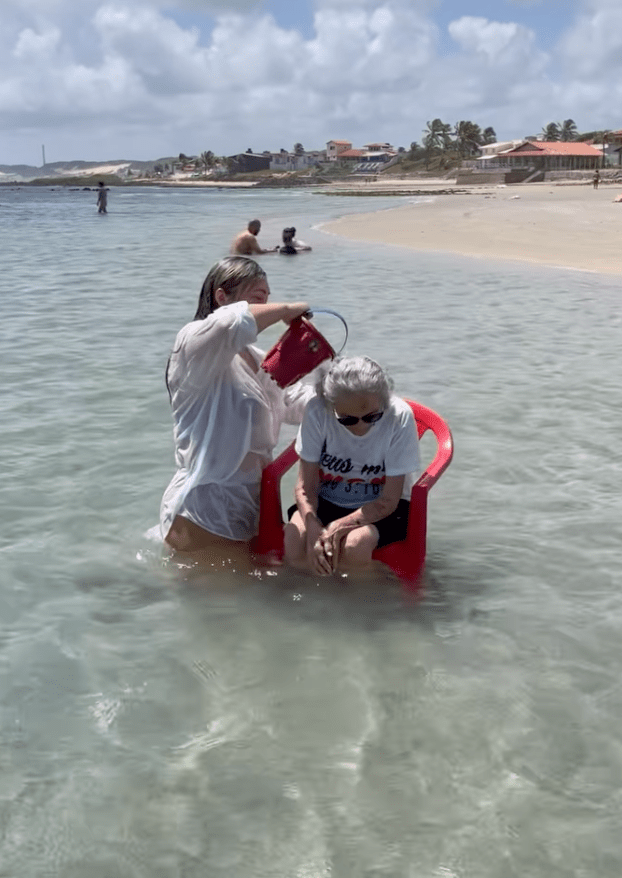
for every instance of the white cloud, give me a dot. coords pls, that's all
(593, 47)
(31, 44)
(371, 69)
(166, 57)
(504, 43)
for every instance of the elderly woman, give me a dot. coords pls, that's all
(227, 412)
(359, 454)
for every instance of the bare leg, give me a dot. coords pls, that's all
(295, 541)
(200, 546)
(357, 547)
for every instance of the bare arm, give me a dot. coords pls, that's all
(306, 494)
(266, 315)
(246, 244)
(306, 490)
(369, 513)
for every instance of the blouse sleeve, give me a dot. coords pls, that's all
(311, 435)
(205, 348)
(222, 334)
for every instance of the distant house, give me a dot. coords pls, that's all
(380, 147)
(245, 162)
(351, 155)
(334, 148)
(289, 161)
(490, 150)
(375, 154)
(548, 156)
(375, 157)
(612, 147)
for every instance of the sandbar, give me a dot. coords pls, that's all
(564, 225)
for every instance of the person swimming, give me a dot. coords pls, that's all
(290, 245)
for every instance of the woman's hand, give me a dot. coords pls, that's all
(319, 562)
(293, 310)
(330, 540)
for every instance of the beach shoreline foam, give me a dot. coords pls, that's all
(562, 226)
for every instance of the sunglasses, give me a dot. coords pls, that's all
(350, 420)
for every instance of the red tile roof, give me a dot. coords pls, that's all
(351, 154)
(348, 142)
(554, 147)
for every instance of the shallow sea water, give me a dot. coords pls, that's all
(155, 724)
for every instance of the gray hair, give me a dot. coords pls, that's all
(354, 375)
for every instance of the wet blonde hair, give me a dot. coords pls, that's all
(229, 274)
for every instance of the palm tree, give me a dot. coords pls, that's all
(551, 132)
(568, 130)
(437, 137)
(489, 135)
(468, 137)
(208, 159)
(299, 149)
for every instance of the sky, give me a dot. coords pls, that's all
(143, 79)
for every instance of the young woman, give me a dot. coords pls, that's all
(227, 412)
(359, 453)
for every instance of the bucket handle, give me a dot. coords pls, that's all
(313, 311)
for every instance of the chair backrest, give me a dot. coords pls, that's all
(428, 419)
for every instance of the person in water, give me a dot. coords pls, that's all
(288, 248)
(102, 198)
(227, 412)
(359, 456)
(290, 245)
(246, 243)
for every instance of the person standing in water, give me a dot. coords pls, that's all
(102, 198)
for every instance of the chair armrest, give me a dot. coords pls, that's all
(279, 466)
(428, 419)
(441, 460)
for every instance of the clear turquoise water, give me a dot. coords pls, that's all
(156, 726)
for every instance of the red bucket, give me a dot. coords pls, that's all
(299, 350)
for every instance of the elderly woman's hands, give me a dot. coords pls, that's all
(331, 538)
(319, 561)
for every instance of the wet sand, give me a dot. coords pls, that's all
(572, 225)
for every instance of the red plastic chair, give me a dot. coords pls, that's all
(406, 558)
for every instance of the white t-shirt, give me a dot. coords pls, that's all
(353, 468)
(226, 423)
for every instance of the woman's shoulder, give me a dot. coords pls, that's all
(221, 320)
(315, 415)
(315, 408)
(401, 412)
(400, 407)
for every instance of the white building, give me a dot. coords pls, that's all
(289, 161)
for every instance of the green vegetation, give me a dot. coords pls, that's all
(445, 146)
(566, 131)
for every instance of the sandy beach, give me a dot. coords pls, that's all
(572, 226)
